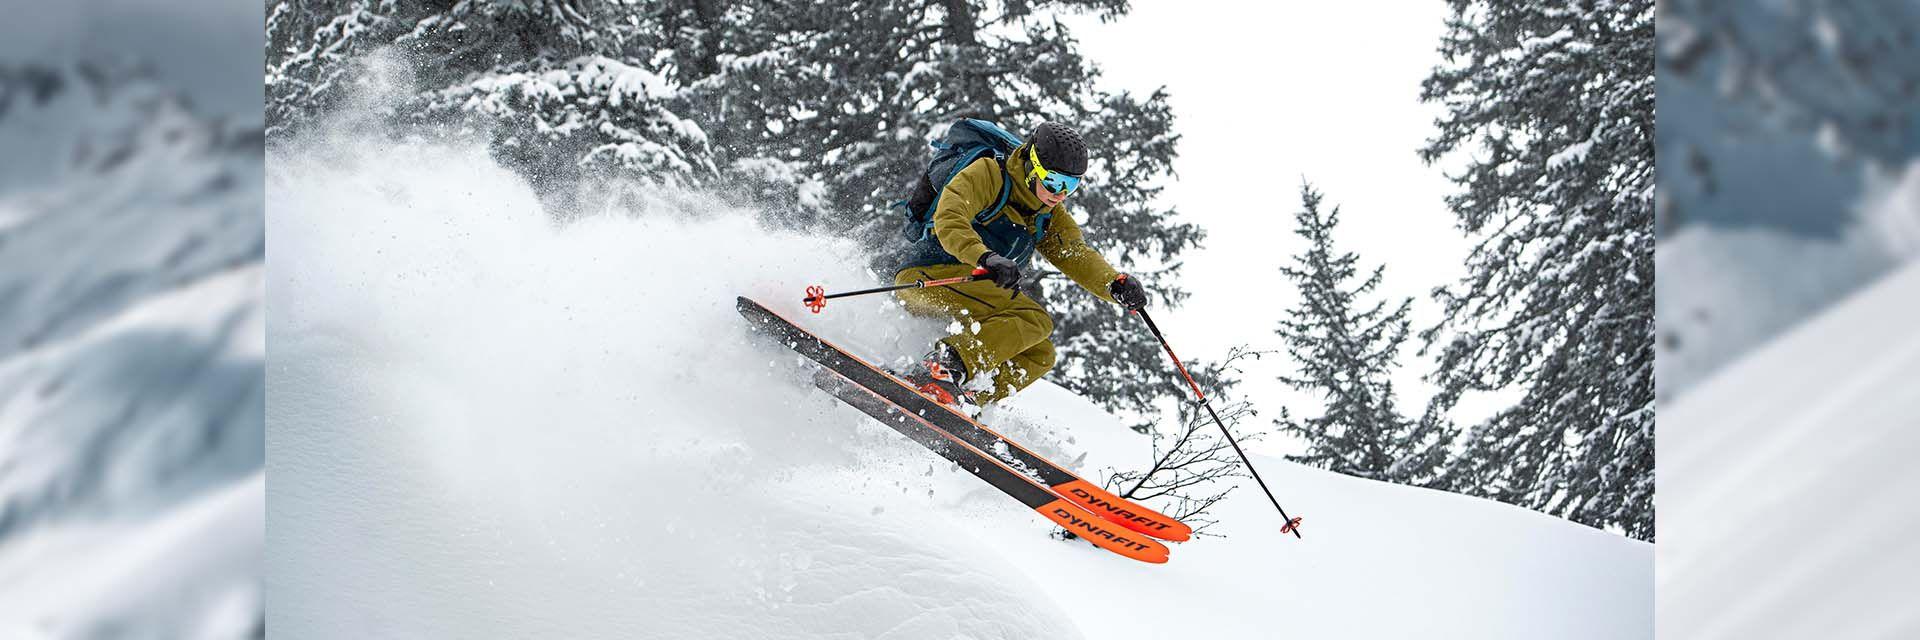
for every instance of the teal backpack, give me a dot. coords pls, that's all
(967, 140)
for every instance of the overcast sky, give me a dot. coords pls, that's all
(1268, 93)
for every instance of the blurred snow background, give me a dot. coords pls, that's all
(132, 337)
(1789, 159)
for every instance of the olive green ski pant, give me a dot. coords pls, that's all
(1003, 334)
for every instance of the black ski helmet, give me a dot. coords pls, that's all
(1060, 148)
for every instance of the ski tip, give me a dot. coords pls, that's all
(1102, 533)
(1123, 512)
(751, 308)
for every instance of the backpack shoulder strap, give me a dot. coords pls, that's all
(922, 224)
(1040, 217)
(1006, 189)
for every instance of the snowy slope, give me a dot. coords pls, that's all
(485, 424)
(131, 361)
(1376, 561)
(1782, 478)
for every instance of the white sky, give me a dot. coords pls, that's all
(1266, 93)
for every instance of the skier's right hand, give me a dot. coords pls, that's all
(1002, 271)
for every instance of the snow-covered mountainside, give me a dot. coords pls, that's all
(483, 423)
(131, 360)
(1782, 511)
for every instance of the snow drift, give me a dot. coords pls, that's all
(483, 423)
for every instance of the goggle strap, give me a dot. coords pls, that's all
(1066, 183)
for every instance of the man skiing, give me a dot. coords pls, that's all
(1004, 335)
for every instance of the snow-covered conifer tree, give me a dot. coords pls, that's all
(1347, 351)
(1554, 104)
(565, 90)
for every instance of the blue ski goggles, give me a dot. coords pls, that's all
(1054, 181)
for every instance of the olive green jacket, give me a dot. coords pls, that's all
(978, 186)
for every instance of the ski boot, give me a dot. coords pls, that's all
(940, 376)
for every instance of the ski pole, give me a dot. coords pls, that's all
(1293, 524)
(817, 296)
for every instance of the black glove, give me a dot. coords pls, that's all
(1127, 291)
(1002, 271)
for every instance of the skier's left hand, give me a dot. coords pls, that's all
(1004, 272)
(1128, 292)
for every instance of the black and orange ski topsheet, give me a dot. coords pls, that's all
(1100, 532)
(1064, 483)
(1073, 503)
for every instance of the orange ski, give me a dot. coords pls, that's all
(886, 399)
(951, 420)
(996, 473)
(1064, 483)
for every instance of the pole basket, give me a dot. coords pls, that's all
(816, 298)
(1290, 526)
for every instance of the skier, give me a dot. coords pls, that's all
(1004, 341)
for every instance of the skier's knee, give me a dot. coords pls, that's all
(1041, 358)
(1044, 322)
